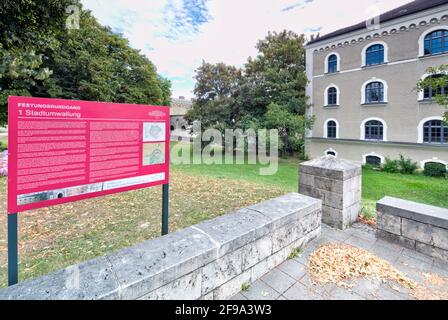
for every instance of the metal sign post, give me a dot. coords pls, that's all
(165, 206)
(13, 261)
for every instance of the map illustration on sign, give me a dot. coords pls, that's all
(153, 153)
(153, 131)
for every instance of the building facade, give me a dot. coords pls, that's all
(363, 87)
(178, 110)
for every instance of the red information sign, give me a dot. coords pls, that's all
(64, 150)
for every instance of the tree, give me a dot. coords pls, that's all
(437, 79)
(28, 31)
(95, 64)
(289, 125)
(216, 90)
(165, 85)
(276, 82)
(89, 63)
(277, 74)
(269, 92)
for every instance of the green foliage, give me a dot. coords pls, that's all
(290, 127)
(269, 92)
(406, 165)
(390, 166)
(295, 253)
(110, 69)
(402, 165)
(435, 169)
(165, 86)
(28, 31)
(418, 188)
(40, 57)
(436, 82)
(245, 286)
(368, 210)
(216, 94)
(277, 74)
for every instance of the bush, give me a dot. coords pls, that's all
(390, 166)
(435, 169)
(406, 166)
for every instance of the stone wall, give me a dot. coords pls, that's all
(337, 183)
(210, 260)
(414, 225)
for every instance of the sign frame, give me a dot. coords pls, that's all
(142, 114)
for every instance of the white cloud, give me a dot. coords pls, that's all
(231, 33)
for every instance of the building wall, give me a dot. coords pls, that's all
(357, 150)
(403, 111)
(177, 122)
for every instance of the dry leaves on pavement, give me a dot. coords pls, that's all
(341, 264)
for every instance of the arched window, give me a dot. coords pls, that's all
(375, 55)
(374, 92)
(430, 92)
(373, 160)
(333, 63)
(436, 42)
(374, 130)
(332, 95)
(434, 131)
(332, 129)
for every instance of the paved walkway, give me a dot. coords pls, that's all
(290, 280)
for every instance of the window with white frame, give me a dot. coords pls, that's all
(436, 42)
(434, 131)
(332, 129)
(374, 130)
(333, 63)
(373, 160)
(374, 92)
(331, 96)
(431, 91)
(375, 55)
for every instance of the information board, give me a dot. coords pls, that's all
(66, 150)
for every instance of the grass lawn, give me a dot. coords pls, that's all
(286, 177)
(375, 184)
(59, 236)
(419, 188)
(3, 143)
(56, 237)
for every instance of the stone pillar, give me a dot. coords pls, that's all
(337, 183)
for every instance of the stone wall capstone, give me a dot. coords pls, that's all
(210, 260)
(337, 183)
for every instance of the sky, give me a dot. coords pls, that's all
(177, 35)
